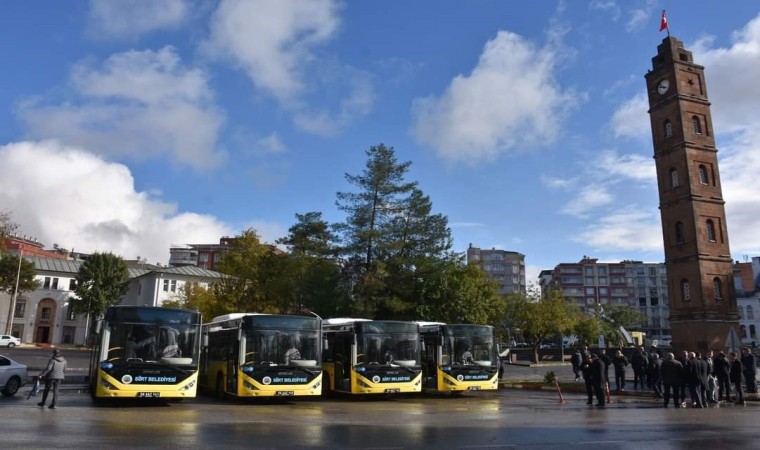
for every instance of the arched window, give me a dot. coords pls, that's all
(710, 230)
(752, 332)
(740, 309)
(743, 331)
(703, 178)
(673, 178)
(696, 125)
(717, 288)
(685, 292)
(750, 313)
(679, 233)
(668, 129)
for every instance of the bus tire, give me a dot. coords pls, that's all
(220, 394)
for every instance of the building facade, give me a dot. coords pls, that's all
(703, 303)
(205, 256)
(505, 267)
(591, 285)
(747, 285)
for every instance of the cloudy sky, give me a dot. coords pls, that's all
(134, 125)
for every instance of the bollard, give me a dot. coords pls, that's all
(559, 391)
(607, 391)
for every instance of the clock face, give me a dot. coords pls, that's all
(662, 86)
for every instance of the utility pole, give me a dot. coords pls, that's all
(11, 312)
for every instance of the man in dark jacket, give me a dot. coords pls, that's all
(585, 368)
(639, 362)
(697, 373)
(722, 367)
(577, 360)
(53, 375)
(653, 375)
(750, 370)
(736, 375)
(671, 372)
(620, 362)
(596, 373)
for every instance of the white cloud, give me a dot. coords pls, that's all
(128, 19)
(640, 16)
(67, 196)
(628, 229)
(630, 166)
(589, 197)
(136, 104)
(277, 43)
(466, 124)
(631, 118)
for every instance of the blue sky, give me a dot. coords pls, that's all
(130, 126)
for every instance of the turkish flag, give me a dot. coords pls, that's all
(664, 22)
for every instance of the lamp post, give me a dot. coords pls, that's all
(12, 312)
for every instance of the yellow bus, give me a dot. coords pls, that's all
(458, 357)
(371, 356)
(146, 352)
(262, 355)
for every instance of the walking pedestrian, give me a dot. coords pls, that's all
(620, 362)
(671, 372)
(750, 370)
(596, 373)
(54, 375)
(736, 375)
(653, 375)
(576, 360)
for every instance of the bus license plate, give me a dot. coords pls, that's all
(473, 388)
(392, 391)
(148, 394)
(284, 393)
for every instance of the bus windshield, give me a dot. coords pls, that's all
(282, 340)
(468, 345)
(393, 343)
(173, 343)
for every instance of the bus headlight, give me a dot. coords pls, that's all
(108, 385)
(446, 368)
(105, 365)
(247, 369)
(187, 386)
(361, 369)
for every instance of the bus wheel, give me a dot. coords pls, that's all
(220, 394)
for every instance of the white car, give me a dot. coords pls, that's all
(12, 376)
(9, 341)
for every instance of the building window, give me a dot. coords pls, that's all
(685, 292)
(752, 332)
(72, 284)
(750, 313)
(55, 283)
(20, 308)
(45, 315)
(165, 287)
(703, 178)
(673, 178)
(679, 233)
(710, 230)
(46, 284)
(740, 309)
(174, 286)
(668, 129)
(70, 315)
(718, 288)
(696, 125)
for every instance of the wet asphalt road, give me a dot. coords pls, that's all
(513, 419)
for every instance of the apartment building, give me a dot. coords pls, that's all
(507, 268)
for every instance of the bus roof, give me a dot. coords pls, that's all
(342, 321)
(233, 316)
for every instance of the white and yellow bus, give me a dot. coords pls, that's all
(371, 356)
(262, 355)
(458, 357)
(146, 352)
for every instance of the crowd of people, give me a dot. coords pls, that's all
(707, 378)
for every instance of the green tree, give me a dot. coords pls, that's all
(102, 281)
(539, 320)
(7, 227)
(587, 329)
(612, 317)
(245, 263)
(462, 293)
(198, 298)
(391, 241)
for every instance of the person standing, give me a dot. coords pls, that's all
(639, 362)
(712, 381)
(736, 375)
(620, 362)
(585, 368)
(750, 370)
(54, 375)
(577, 360)
(722, 369)
(596, 373)
(671, 372)
(653, 374)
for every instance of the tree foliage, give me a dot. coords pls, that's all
(9, 270)
(102, 281)
(245, 263)
(538, 320)
(612, 317)
(7, 227)
(198, 298)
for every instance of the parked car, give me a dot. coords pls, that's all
(13, 375)
(9, 341)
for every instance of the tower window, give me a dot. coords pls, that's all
(751, 316)
(685, 292)
(752, 331)
(696, 125)
(710, 230)
(703, 177)
(668, 129)
(679, 233)
(673, 178)
(718, 288)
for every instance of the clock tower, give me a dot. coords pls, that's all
(700, 271)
